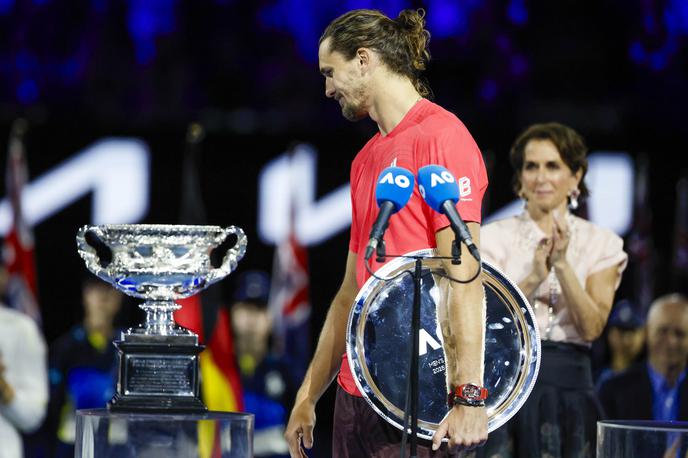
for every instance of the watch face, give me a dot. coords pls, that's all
(471, 392)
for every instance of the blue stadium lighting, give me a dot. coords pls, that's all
(659, 60)
(637, 52)
(27, 91)
(305, 20)
(447, 18)
(69, 69)
(676, 17)
(146, 20)
(674, 22)
(99, 6)
(519, 65)
(297, 17)
(6, 6)
(488, 90)
(517, 12)
(25, 62)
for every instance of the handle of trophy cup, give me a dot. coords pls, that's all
(94, 239)
(226, 263)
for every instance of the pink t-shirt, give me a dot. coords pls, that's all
(428, 134)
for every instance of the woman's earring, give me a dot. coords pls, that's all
(573, 199)
(523, 200)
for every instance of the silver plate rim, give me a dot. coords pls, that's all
(371, 282)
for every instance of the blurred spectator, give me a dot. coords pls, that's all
(265, 379)
(83, 365)
(23, 377)
(625, 339)
(655, 389)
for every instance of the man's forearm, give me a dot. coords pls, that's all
(463, 316)
(328, 353)
(466, 329)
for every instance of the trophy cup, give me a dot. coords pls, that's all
(158, 360)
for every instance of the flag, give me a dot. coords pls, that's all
(18, 257)
(204, 315)
(641, 251)
(289, 299)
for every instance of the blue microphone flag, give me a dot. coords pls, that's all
(395, 185)
(437, 185)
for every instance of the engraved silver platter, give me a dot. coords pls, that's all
(379, 339)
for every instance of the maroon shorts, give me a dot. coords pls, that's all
(360, 432)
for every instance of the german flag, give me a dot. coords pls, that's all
(221, 384)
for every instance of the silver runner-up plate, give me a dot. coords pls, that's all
(379, 344)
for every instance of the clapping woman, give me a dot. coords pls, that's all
(569, 270)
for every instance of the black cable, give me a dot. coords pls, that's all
(437, 271)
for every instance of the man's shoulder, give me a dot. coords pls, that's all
(437, 117)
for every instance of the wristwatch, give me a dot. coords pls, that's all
(468, 394)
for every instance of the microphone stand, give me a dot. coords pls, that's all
(413, 375)
(411, 408)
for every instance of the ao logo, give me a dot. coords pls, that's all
(442, 178)
(400, 180)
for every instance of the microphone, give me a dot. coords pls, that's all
(393, 191)
(439, 189)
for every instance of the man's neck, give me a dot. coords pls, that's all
(394, 97)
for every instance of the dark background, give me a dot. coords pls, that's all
(615, 70)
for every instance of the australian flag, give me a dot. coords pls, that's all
(289, 301)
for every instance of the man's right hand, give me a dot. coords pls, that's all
(299, 430)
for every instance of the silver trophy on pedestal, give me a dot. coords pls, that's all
(158, 360)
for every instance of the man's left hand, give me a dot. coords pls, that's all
(466, 428)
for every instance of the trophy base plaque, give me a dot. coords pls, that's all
(158, 374)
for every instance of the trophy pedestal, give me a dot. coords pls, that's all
(158, 374)
(103, 433)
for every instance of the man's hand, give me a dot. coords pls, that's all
(466, 428)
(6, 390)
(299, 431)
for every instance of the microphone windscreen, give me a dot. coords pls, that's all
(395, 185)
(437, 185)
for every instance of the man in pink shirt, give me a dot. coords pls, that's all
(371, 65)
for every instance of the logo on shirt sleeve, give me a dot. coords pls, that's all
(464, 187)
